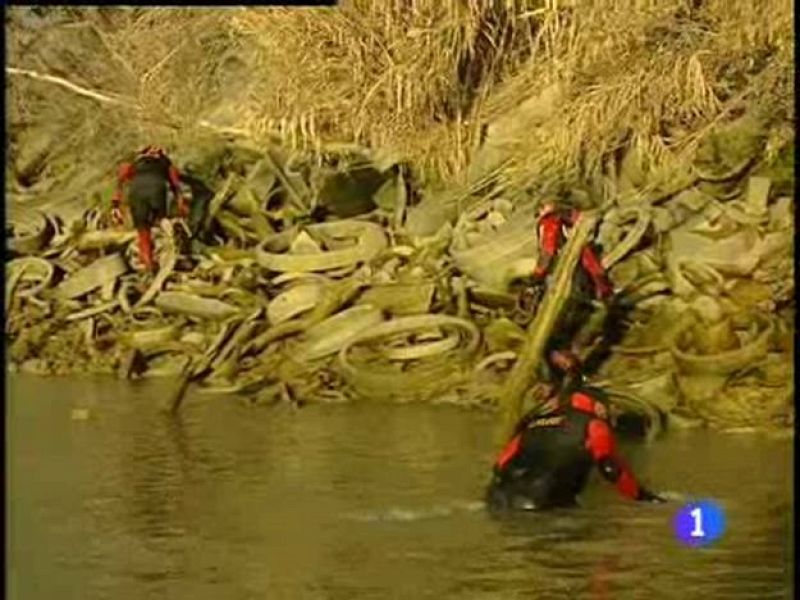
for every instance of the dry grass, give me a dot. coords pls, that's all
(382, 74)
(417, 78)
(652, 76)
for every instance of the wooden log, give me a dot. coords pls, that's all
(541, 328)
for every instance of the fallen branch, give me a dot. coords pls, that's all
(126, 102)
(100, 97)
(541, 327)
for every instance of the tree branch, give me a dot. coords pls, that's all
(544, 322)
(82, 91)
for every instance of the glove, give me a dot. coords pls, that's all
(116, 215)
(648, 496)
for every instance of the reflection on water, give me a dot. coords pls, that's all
(352, 502)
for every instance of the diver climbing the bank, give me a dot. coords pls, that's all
(592, 297)
(554, 222)
(553, 225)
(148, 177)
(547, 461)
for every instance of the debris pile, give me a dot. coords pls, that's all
(302, 281)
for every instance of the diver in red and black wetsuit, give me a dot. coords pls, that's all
(553, 224)
(592, 293)
(148, 177)
(547, 462)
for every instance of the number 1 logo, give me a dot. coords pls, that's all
(699, 523)
(697, 515)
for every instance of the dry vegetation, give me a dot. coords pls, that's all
(419, 79)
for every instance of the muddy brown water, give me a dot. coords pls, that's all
(354, 502)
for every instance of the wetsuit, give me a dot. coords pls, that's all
(552, 233)
(582, 319)
(547, 462)
(148, 178)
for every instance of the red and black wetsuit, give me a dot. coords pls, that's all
(148, 178)
(548, 460)
(552, 229)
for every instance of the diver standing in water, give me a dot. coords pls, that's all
(148, 177)
(547, 462)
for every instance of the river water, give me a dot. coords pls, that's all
(354, 502)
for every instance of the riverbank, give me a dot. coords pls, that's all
(405, 289)
(361, 307)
